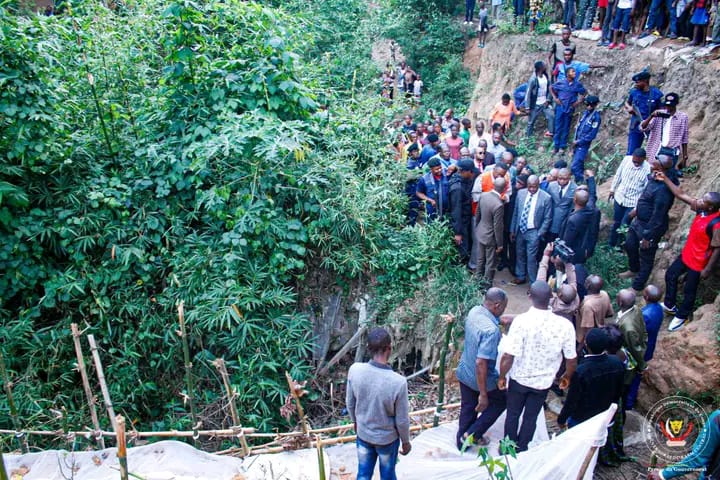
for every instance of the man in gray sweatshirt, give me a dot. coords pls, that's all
(377, 401)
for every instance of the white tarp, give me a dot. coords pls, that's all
(434, 456)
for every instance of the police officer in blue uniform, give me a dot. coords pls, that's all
(433, 189)
(565, 93)
(641, 102)
(585, 132)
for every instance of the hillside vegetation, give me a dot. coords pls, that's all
(213, 153)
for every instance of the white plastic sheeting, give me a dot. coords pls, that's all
(434, 456)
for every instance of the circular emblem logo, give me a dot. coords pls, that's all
(672, 426)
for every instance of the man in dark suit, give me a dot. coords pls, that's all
(576, 234)
(489, 221)
(460, 201)
(531, 220)
(562, 192)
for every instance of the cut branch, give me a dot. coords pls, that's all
(92, 402)
(101, 379)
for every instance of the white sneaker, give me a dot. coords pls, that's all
(676, 323)
(669, 310)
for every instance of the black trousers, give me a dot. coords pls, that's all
(640, 259)
(470, 422)
(520, 397)
(692, 279)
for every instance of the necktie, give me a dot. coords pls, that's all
(562, 192)
(525, 214)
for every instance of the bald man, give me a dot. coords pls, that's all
(476, 371)
(632, 327)
(650, 222)
(489, 221)
(530, 222)
(595, 307)
(653, 317)
(537, 342)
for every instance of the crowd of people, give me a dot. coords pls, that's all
(543, 227)
(615, 19)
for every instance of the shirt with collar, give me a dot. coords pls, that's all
(531, 214)
(629, 182)
(482, 336)
(539, 339)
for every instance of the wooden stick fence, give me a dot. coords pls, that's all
(92, 402)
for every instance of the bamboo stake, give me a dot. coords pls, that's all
(188, 364)
(135, 434)
(101, 378)
(121, 447)
(321, 458)
(21, 438)
(86, 384)
(336, 358)
(220, 365)
(450, 320)
(3, 472)
(297, 390)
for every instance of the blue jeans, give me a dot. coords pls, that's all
(519, 7)
(469, 10)
(655, 15)
(622, 19)
(578, 162)
(368, 455)
(607, 23)
(620, 217)
(569, 13)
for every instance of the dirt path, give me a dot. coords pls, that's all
(518, 301)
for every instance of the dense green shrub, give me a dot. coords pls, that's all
(178, 152)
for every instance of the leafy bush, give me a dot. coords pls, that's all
(152, 157)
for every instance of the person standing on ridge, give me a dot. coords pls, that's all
(587, 129)
(699, 255)
(642, 100)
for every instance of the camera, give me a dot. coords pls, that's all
(562, 250)
(663, 115)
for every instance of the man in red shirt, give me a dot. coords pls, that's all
(699, 255)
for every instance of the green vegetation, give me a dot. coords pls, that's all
(212, 153)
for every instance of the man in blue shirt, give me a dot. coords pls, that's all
(429, 150)
(653, 316)
(585, 132)
(641, 102)
(565, 94)
(476, 371)
(432, 188)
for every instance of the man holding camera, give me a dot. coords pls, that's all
(668, 131)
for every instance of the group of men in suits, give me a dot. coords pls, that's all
(538, 214)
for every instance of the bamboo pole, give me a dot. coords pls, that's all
(3, 472)
(450, 321)
(121, 447)
(336, 358)
(188, 364)
(328, 442)
(135, 434)
(220, 365)
(101, 379)
(86, 384)
(321, 458)
(7, 385)
(297, 390)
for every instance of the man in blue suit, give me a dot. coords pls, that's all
(530, 222)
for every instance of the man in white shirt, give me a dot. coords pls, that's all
(480, 134)
(629, 182)
(536, 344)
